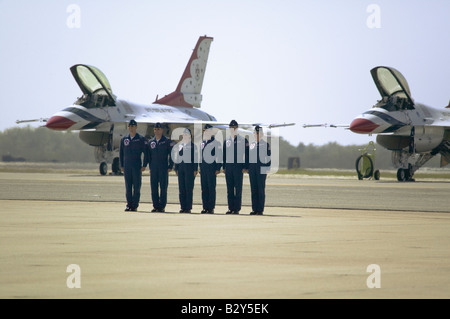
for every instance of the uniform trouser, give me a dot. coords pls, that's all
(258, 189)
(133, 181)
(186, 188)
(234, 178)
(159, 181)
(208, 181)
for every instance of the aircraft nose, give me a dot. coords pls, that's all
(60, 123)
(362, 126)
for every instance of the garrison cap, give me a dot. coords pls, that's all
(132, 122)
(258, 129)
(233, 123)
(208, 126)
(158, 125)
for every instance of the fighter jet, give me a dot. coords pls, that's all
(414, 132)
(101, 118)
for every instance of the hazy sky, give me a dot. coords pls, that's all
(270, 61)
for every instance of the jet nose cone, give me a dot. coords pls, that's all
(59, 123)
(362, 126)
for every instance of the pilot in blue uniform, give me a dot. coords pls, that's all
(160, 164)
(235, 164)
(186, 167)
(131, 149)
(210, 165)
(259, 166)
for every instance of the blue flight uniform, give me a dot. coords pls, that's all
(211, 162)
(258, 168)
(186, 167)
(235, 159)
(130, 157)
(160, 161)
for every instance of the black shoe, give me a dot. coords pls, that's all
(187, 211)
(211, 211)
(253, 213)
(127, 209)
(182, 211)
(259, 213)
(235, 212)
(161, 210)
(133, 209)
(154, 210)
(205, 211)
(229, 212)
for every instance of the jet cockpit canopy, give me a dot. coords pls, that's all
(393, 88)
(95, 86)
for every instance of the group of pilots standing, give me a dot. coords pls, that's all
(235, 156)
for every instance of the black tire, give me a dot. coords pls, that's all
(103, 168)
(115, 167)
(377, 175)
(367, 173)
(403, 175)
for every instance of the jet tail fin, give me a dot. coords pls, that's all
(188, 91)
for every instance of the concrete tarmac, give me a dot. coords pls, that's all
(317, 239)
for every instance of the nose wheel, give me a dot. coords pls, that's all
(405, 174)
(103, 168)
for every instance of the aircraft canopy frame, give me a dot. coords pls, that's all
(94, 85)
(392, 84)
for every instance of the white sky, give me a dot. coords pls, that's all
(270, 61)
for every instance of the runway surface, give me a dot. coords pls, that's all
(316, 240)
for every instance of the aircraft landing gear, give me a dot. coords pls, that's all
(103, 168)
(103, 156)
(116, 166)
(405, 174)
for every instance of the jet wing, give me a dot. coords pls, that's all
(441, 123)
(167, 120)
(190, 120)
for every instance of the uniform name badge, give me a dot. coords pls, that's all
(126, 142)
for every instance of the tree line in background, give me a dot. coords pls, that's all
(43, 145)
